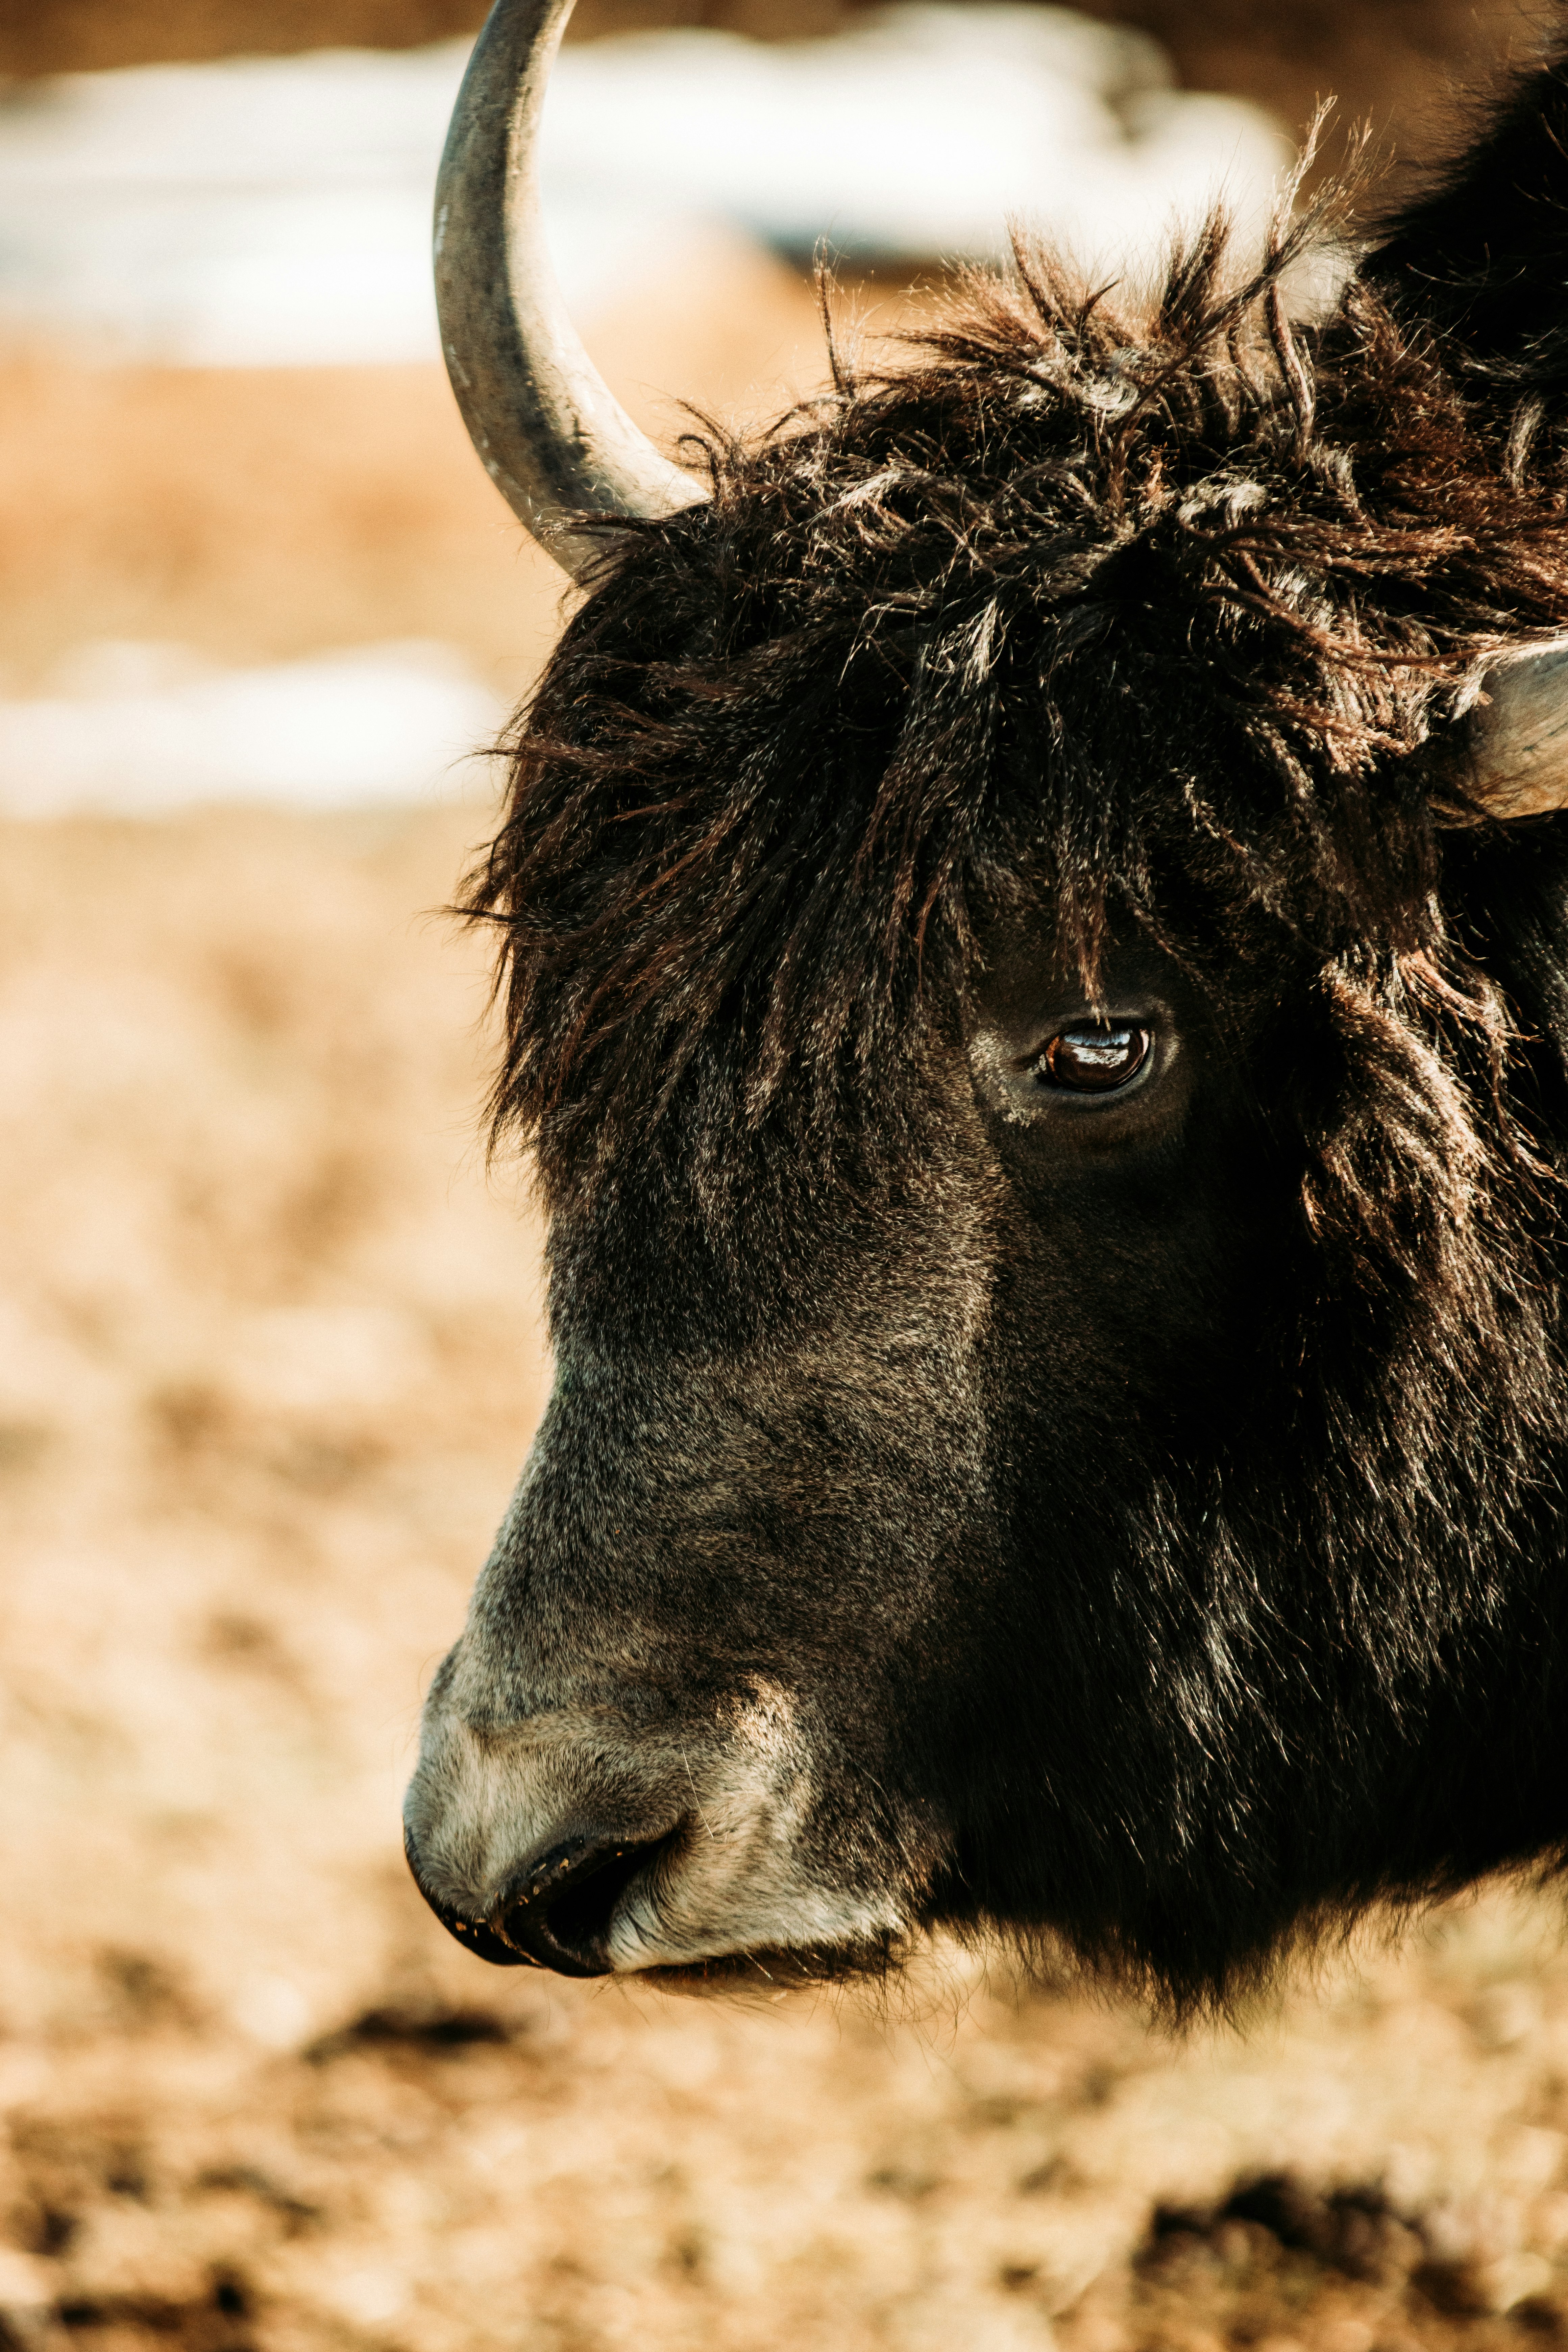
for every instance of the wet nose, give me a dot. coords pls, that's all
(474, 1935)
(556, 1911)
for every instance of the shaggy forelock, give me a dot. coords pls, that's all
(1155, 616)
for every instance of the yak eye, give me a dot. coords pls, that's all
(1093, 1059)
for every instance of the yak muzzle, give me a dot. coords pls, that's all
(556, 1911)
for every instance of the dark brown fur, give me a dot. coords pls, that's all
(1066, 589)
(1181, 1560)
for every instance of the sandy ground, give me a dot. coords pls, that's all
(260, 513)
(269, 1354)
(269, 1351)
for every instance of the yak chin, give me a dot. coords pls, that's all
(556, 1843)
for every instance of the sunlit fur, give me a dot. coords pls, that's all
(1120, 623)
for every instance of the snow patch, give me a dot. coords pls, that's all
(276, 211)
(139, 729)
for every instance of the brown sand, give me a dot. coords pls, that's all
(260, 513)
(269, 1351)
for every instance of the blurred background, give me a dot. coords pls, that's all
(270, 1347)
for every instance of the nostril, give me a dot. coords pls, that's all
(559, 1913)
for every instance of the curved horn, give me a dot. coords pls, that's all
(1520, 739)
(553, 438)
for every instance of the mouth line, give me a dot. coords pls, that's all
(771, 1970)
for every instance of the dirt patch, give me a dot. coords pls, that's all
(269, 1354)
(40, 37)
(262, 513)
(273, 1347)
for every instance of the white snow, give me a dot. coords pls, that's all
(917, 134)
(136, 730)
(278, 210)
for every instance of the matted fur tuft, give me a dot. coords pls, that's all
(1152, 605)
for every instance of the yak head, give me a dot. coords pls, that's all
(1034, 940)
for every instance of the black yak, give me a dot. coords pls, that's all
(1033, 940)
